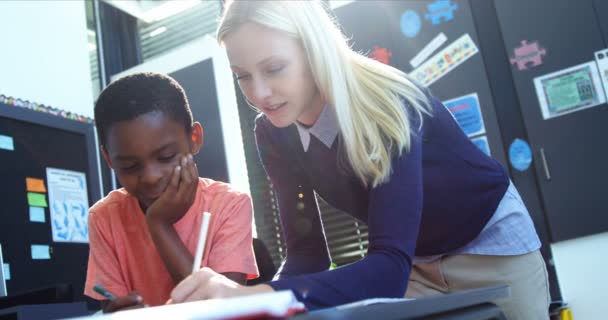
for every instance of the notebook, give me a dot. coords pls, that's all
(271, 305)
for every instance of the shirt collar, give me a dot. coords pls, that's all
(325, 129)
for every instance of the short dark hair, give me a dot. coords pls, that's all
(134, 95)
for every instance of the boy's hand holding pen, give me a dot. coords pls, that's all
(114, 303)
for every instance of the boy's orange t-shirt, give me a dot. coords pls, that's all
(123, 257)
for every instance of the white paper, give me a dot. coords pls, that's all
(40, 252)
(37, 214)
(270, 305)
(554, 103)
(68, 204)
(426, 52)
(371, 301)
(601, 58)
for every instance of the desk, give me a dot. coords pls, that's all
(44, 311)
(470, 304)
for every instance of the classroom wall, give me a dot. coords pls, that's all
(581, 266)
(44, 56)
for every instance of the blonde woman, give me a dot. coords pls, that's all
(442, 216)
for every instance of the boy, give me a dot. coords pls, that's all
(143, 236)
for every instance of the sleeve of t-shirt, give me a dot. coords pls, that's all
(103, 268)
(232, 246)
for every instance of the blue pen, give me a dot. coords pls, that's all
(99, 289)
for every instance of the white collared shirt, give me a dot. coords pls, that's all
(325, 129)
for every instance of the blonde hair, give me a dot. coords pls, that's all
(366, 94)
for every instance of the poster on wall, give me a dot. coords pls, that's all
(482, 144)
(445, 60)
(569, 90)
(467, 113)
(601, 57)
(69, 204)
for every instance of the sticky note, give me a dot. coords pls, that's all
(37, 214)
(6, 143)
(35, 185)
(40, 252)
(7, 271)
(36, 199)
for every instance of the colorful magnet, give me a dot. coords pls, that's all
(381, 54)
(410, 23)
(441, 10)
(528, 54)
(520, 155)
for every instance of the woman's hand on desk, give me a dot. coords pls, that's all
(208, 284)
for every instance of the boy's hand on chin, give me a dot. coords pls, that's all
(179, 195)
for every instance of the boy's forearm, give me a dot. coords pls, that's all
(171, 249)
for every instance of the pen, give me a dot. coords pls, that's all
(99, 289)
(202, 237)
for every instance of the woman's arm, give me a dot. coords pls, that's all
(394, 218)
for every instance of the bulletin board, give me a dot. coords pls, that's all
(435, 43)
(50, 177)
(558, 53)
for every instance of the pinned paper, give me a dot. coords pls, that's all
(36, 199)
(35, 185)
(467, 113)
(69, 205)
(569, 90)
(37, 214)
(410, 23)
(428, 50)
(445, 60)
(601, 58)
(482, 144)
(6, 143)
(441, 10)
(7, 271)
(41, 252)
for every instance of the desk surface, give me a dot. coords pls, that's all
(414, 308)
(44, 311)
